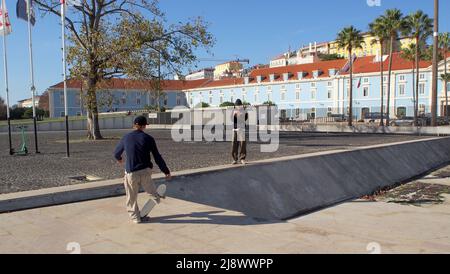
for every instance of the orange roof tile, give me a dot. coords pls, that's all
(119, 83)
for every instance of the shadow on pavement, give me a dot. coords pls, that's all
(209, 217)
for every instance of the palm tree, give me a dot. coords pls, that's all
(378, 30)
(409, 54)
(444, 44)
(350, 39)
(420, 27)
(394, 24)
(446, 78)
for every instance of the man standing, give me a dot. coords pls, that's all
(240, 116)
(137, 146)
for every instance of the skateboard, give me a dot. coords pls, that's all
(147, 208)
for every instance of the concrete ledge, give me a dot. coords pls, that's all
(274, 188)
(372, 129)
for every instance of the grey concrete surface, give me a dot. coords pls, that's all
(287, 188)
(181, 227)
(51, 168)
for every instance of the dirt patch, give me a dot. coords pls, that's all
(415, 193)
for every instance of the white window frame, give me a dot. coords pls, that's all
(313, 94)
(422, 90)
(330, 94)
(400, 86)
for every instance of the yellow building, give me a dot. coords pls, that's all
(226, 69)
(368, 48)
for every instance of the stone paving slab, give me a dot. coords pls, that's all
(102, 226)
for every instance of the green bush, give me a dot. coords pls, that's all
(227, 104)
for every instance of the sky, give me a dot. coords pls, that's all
(252, 29)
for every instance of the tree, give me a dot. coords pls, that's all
(112, 38)
(444, 44)
(329, 57)
(350, 39)
(446, 79)
(44, 101)
(394, 23)
(227, 104)
(2, 109)
(379, 30)
(409, 53)
(420, 27)
(202, 105)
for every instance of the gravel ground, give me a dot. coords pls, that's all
(94, 158)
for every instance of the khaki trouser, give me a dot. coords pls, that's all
(133, 182)
(239, 141)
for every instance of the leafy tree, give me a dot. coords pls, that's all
(227, 104)
(202, 105)
(269, 103)
(113, 38)
(444, 44)
(329, 57)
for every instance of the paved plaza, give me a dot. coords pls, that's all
(94, 158)
(381, 224)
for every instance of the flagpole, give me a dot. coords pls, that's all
(63, 38)
(8, 116)
(33, 88)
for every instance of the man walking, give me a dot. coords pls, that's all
(240, 116)
(137, 146)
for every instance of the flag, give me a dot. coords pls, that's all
(359, 83)
(21, 10)
(76, 3)
(4, 19)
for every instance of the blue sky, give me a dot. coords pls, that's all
(253, 29)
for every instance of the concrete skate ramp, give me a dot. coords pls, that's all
(297, 185)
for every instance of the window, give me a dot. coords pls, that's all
(61, 98)
(421, 89)
(329, 111)
(256, 98)
(313, 94)
(138, 98)
(366, 80)
(402, 77)
(330, 94)
(124, 98)
(297, 95)
(77, 99)
(384, 90)
(366, 91)
(78, 113)
(191, 101)
(165, 100)
(283, 96)
(313, 85)
(62, 114)
(422, 76)
(178, 100)
(401, 112)
(297, 86)
(283, 87)
(448, 87)
(401, 89)
(210, 100)
(269, 88)
(385, 78)
(269, 96)
(330, 84)
(221, 99)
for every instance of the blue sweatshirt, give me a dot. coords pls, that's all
(138, 145)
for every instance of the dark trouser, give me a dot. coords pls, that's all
(236, 144)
